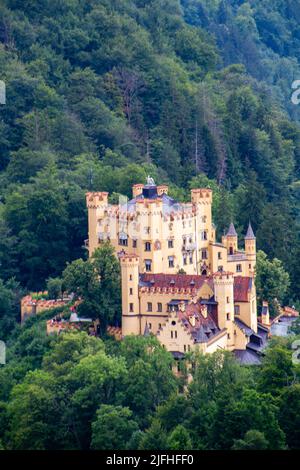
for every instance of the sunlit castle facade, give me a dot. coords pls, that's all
(178, 283)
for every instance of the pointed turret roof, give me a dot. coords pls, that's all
(231, 231)
(250, 234)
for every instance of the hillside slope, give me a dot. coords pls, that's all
(100, 93)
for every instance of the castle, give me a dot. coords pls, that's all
(178, 282)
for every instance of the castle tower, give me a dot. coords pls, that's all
(130, 295)
(223, 290)
(97, 204)
(231, 240)
(137, 190)
(250, 249)
(204, 232)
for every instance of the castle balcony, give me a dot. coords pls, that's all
(237, 257)
(189, 247)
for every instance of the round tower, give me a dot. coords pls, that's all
(130, 295)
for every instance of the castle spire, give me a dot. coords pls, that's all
(231, 231)
(250, 234)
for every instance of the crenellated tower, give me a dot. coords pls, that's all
(130, 296)
(224, 295)
(97, 205)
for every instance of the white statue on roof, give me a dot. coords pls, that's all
(150, 181)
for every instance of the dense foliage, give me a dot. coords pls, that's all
(100, 93)
(74, 391)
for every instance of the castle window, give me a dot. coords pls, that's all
(147, 230)
(150, 326)
(184, 241)
(228, 335)
(149, 306)
(191, 259)
(228, 316)
(134, 243)
(204, 218)
(172, 334)
(189, 347)
(175, 334)
(185, 260)
(231, 250)
(130, 277)
(249, 266)
(131, 308)
(159, 326)
(147, 246)
(204, 254)
(238, 268)
(148, 265)
(184, 347)
(227, 300)
(170, 244)
(159, 307)
(236, 309)
(219, 254)
(220, 269)
(171, 261)
(130, 291)
(204, 235)
(123, 239)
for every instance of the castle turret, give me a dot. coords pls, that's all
(224, 295)
(204, 233)
(250, 248)
(97, 204)
(130, 295)
(230, 240)
(137, 190)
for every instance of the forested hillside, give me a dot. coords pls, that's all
(102, 92)
(99, 94)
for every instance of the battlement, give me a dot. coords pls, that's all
(201, 196)
(223, 277)
(137, 189)
(127, 258)
(96, 199)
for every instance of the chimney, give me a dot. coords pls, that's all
(265, 314)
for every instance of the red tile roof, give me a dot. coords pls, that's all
(242, 286)
(178, 281)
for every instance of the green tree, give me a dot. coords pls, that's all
(179, 439)
(97, 282)
(54, 288)
(253, 440)
(272, 281)
(112, 428)
(155, 438)
(289, 415)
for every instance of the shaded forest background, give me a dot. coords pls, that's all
(101, 93)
